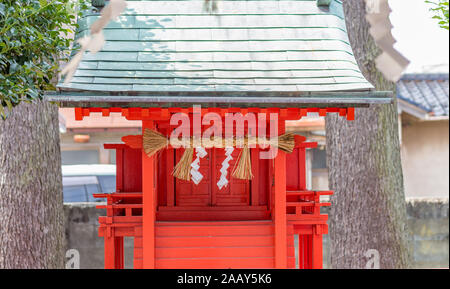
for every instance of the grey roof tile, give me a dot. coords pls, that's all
(175, 45)
(427, 91)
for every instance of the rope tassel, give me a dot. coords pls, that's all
(243, 169)
(182, 170)
(154, 142)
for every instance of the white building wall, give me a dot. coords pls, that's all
(425, 158)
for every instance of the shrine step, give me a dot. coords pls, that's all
(229, 214)
(243, 244)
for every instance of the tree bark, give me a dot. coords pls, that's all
(31, 204)
(363, 156)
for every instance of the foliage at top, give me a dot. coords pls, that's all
(32, 43)
(440, 10)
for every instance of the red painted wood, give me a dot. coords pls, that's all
(132, 170)
(109, 248)
(128, 168)
(190, 194)
(213, 164)
(292, 170)
(179, 235)
(119, 170)
(176, 243)
(78, 113)
(170, 180)
(212, 209)
(148, 217)
(224, 252)
(213, 230)
(213, 263)
(163, 114)
(351, 113)
(237, 192)
(296, 167)
(105, 112)
(308, 252)
(162, 174)
(207, 193)
(280, 205)
(290, 247)
(138, 253)
(230, 241)
(228, 245)
(317, 251)
(213, 216)
(293, 113)
(301, 254)
(256, 175)
(120, 219)
(118, 256)
(133, 141)
(302, 168)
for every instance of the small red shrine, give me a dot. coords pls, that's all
(162, 58)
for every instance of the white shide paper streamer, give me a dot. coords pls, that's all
(196, 176)
(223, 181)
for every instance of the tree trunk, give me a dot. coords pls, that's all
(31, 204)
(368, 208)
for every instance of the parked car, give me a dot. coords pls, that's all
(81, 181)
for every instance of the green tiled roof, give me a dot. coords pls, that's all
(176, 46)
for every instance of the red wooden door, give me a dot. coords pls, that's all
(190, 194)
(206, 193)
(236, 193)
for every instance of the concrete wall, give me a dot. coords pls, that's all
(428, 219)
(82, 235)
(425, 158)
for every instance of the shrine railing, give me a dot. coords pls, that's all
(305, 205)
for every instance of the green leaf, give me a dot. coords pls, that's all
(441, 11)
(30, 40)
(8, 104)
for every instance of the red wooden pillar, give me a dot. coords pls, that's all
(302, 251)
(109, 240)
(302, 168)
(317, 249)
(170, 178)
(118, 253)
(119, 167)
(149, 203)
(280, 205)
(109, 247)
(255, 180)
